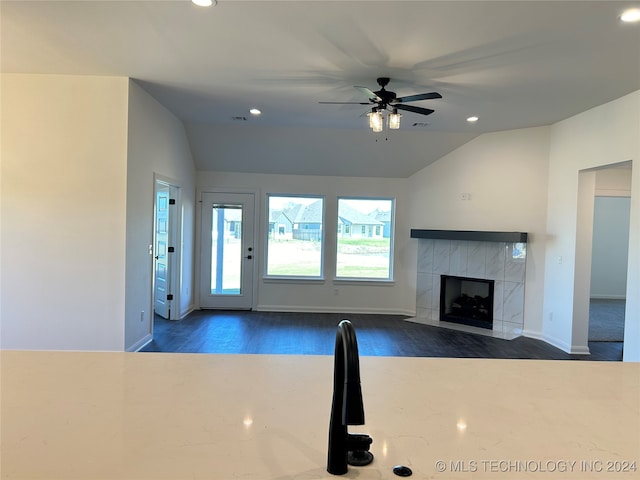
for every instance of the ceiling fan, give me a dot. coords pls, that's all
(386, 100)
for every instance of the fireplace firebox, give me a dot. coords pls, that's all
(468, 301)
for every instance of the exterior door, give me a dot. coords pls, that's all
(227, 254)
(162, 282)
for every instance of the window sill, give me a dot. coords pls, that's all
(383, 282)
(319, 281)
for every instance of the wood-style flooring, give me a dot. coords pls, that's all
(214, 331)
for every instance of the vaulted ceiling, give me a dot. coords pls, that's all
(513, 64)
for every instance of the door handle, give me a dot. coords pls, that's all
(249, 257)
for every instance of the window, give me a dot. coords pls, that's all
(295, 247)
(367, 252)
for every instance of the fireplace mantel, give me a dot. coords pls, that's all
(470, 235)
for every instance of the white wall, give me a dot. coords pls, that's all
(614, 181)
(604, 135)
(505, 174)
(157, 145)
(316, 150)
(64, 167)
(398, 298)
(581, 269)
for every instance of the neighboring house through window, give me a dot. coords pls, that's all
(295, 243)
(295, 247)
(367, 253)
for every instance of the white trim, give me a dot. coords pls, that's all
(601, 192)
(565, 347)
(140, 343)
(369, 282)
(579, 350)
(325, 309)
(392, 237)
(265, 237)
(190, 309)
(534, 335)
(573, 349)
(175, 227)
(298, 280)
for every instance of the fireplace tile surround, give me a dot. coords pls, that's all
(489, 260)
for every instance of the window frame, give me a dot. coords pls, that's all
(390, 277)
(297, 278)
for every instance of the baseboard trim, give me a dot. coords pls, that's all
(533, 334)
(580, 350)
(565, 347)
(325, 309)
(140, 343)
(189, 310)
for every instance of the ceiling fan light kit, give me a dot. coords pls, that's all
(383, 100)
(205, 3)
(376, 121)
(394, 120)
(631, 16)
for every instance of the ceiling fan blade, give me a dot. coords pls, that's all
(370, 95)
(347, 103)
(411, 108)
(420, 96)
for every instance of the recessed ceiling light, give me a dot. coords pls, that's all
(255, 111)
(631, 15)
(472, 119)
(204, 3)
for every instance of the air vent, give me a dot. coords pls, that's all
(239, 118)
(420, 124)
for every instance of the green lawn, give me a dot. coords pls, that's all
(357, 258)
(295, 269)
(365, 242)
(362, 272)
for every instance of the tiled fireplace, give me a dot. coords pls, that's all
(486, 258)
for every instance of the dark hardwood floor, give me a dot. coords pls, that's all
(213, 331)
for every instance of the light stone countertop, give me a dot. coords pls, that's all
(77, 415)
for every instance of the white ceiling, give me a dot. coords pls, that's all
(514, 64)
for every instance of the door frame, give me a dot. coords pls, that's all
(257, 233)
(586, 194)
(175, 259)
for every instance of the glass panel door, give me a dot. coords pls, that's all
(227, 256)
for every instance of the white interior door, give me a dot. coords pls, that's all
(227, 253)
(162, 281)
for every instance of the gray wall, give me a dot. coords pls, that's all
(610, 247)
